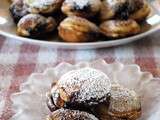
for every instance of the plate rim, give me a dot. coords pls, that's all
(89, 45)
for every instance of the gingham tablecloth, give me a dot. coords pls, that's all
(18, 60)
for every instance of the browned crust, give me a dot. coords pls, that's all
(76, 29)
(119, 28)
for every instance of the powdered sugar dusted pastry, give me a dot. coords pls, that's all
(66, 114)
(119, 28)
(82, 8)
(18, 9)
(81, 88)
(121, 8)
(141, 13)
(106, 11)
(77, 29)
(43, 6)
(33, 25)
(124, 104)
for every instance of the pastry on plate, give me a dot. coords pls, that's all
(77, 29)
(81, 89)
(18, 9)
(82, 8)
(34, 25)
(120, 9)
(106, 12)
(141, 13)
(43, 6)
(124, 104)
(119, 28)
(66, 114)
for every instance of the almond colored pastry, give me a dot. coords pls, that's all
(34, 25)
(81, 8)
(142, 13)
(106, 11)
(120, 9)
(119, 28)
(18, 9)
(81, 89)
(77, 29)
(124, 104)
(44, 6)
(66, 114)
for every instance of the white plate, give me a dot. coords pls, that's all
(8, 29)
(30, 102)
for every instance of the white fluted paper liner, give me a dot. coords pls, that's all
(30, 102)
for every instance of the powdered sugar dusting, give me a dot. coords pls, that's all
(90, 83)
(40, 3)
(123, 100)
(32, 17)
(76, 114)
(80, 3)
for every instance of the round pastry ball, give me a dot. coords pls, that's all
(142, 13)
(18, 9)
(77, 29)
(83, 87)
(106, 11)
(66, 114)
(43, 6)
(124, 103)
(82, 8)
(34, 25)
(119, 28)
(120, 9)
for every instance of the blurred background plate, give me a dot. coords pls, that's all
(8, 29)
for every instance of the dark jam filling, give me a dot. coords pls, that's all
(38, 31)
(18, 10)
(124, 10)
(85, 8)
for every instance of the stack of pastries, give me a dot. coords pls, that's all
(79, 20)
(88, 94)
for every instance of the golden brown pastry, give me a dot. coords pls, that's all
(34, 25)
(142, 13)
(124, 104)
(106, 11)
(18, 9)
(119, 28)
(77, 29)
(66, 114)
(43, 6)
(81, 8)
(120, 9)
(80, 89)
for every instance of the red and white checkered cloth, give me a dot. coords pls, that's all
(18, 60)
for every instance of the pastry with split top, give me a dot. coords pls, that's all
(81, 8)
(80, 89)
(77, 29)
(44, 6)
(35, 25)
(119, 28)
